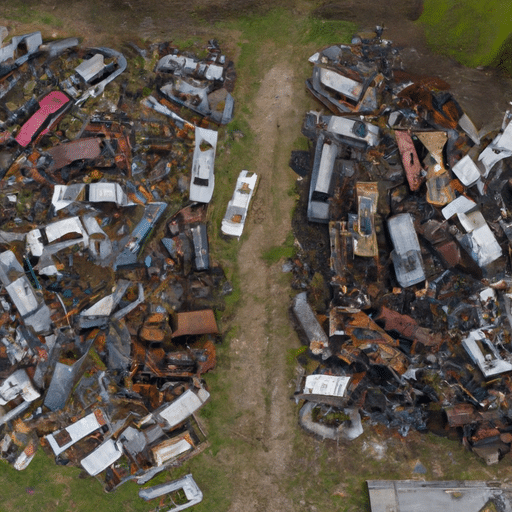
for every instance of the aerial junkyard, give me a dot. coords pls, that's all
(404, 215)
(109, 297)
(109, 292)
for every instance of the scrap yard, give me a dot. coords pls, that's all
(252, 271)
(108, 290)
(411, 203)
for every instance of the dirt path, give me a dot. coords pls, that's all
(261, 396)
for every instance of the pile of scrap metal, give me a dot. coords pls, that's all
(107, 286)
(202, 85)
(407, 219)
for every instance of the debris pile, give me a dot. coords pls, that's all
(108, 291)
(404, 212)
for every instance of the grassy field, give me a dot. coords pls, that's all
(474, 32)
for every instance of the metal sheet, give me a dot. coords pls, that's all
(90, 68)
(440, 496)
(101, 458)
(187, 483)
(467, 171)
(76, 431)
(354, 130)
(81, 149)
(406, 256)
(490, 362)
(434, 142)
(191, 323)
(184, 406)
(328, 385)
(342, 84)
(50, 104)
(410, 160)
(170, 449)
(317, 339)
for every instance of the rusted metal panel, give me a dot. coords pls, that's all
(461, 414)
(450, 253)
(389, 356)
(434, 142)
(195, 322)
(361, 328)
(439, 189)
(81, 149)
(410, 160)
(408, 327)
(341, 84)
(172, 448)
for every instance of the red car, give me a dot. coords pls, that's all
(51, 108)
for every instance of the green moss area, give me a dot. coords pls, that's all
(474, 32)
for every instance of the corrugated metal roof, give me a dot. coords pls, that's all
(49, 105)
(76, 431)
(170, 449)
(181, 408)
(329, 385)
(440, 496)
(101, 458)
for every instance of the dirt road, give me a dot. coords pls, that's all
(261, 395)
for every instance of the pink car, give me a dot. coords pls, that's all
(51, 108)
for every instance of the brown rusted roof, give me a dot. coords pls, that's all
(460, 414)
(410, 159)
(81, 149)
(408, 327)
(360, 327)
(195, 322)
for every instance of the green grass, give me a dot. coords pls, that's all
(301, 143)
(44, 486)
(474, 32)
(326, 32)
(30, 14)
(279, 252)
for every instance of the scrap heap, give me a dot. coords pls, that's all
(107, 297)
(408, 220)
